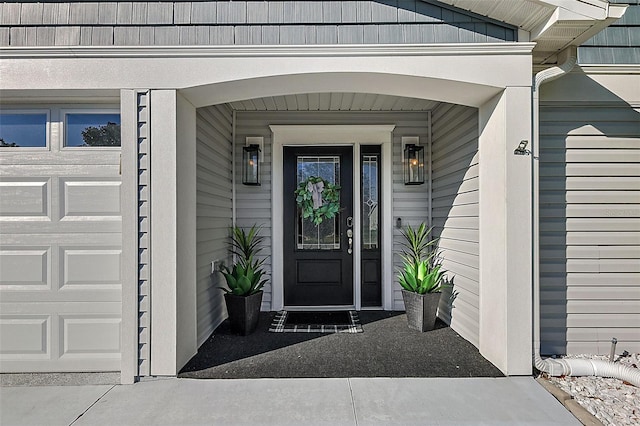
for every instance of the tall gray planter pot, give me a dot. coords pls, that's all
(421, 309)
(244, 312)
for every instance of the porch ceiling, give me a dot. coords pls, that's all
(553, 24)
(334, 102)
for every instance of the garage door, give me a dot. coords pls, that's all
(60, 240)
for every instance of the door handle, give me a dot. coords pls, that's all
(350, 240)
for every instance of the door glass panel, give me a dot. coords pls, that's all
(370, 202)
(325, 236)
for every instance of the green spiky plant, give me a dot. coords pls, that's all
(245, 278)
(421, 271)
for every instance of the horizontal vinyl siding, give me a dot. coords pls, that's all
(589, 228)
(456, 213)
(410, 202)
(254, 203)
(242, 22)
(213, 173)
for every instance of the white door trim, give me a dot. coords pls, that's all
(354, 135)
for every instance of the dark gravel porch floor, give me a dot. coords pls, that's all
(387, 348)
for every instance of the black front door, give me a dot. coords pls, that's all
(318, 259)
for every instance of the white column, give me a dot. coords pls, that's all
(505, 232)
(173, 241)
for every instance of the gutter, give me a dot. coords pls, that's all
(559, 367)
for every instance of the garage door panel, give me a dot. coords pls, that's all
(60, 260)
(52, 162)
(51, 337)
(25, 267)
(83, 267)
(111, 225)
(66, 295)
(92, 336)
(83, 199)
(57, 365)
(25, 336)
(54, 239)
(25, 198)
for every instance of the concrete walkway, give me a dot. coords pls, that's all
(360, 401)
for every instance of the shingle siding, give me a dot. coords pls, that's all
(616, 44)
(248, 22)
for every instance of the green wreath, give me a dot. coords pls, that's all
(330, 200)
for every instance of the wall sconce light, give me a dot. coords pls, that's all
(251, 165)
(522, 148)
(413, 164)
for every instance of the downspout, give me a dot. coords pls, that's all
(559, 367)
(233, 168)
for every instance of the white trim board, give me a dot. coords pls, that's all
(354, 135)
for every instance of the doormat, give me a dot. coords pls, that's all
(316, 322)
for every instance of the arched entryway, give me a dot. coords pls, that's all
(489, 106)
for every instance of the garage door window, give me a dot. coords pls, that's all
(87, 130)
(22, 130)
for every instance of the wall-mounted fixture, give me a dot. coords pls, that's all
(251, 162)
(522, 148)
(413, 158)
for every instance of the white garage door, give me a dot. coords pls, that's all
(60, 240)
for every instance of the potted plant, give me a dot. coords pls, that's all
(244, 280)
(421, 278)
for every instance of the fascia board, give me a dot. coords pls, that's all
(588, 9)
(138, 52)
(616, 11)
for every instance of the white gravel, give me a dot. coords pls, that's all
(610, 400)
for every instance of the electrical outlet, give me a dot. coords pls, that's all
(216, 265)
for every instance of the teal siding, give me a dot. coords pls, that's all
(243, 23)
(617, 44)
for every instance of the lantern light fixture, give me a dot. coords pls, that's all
(413, 163)
(251, 165)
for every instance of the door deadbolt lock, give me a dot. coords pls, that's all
(349, 233)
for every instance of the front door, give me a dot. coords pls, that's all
(318, 259)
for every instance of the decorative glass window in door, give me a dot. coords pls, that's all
(370, 214)
(326, 235)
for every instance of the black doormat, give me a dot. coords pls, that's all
(316, 322)
(387, 348)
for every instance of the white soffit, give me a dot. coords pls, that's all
(552, 24)
(334, 102)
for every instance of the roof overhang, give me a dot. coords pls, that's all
(553, 24)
